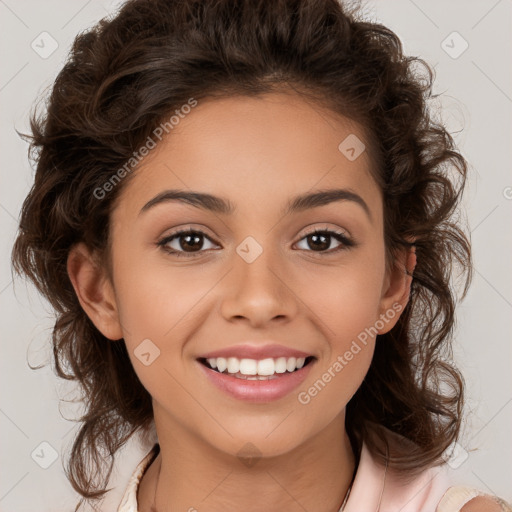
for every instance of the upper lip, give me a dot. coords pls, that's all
(258, 352)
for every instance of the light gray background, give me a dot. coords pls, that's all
(476, 105)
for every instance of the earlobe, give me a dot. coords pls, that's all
(395, 294)
(94, 291)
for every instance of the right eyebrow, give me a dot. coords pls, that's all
(197, 199)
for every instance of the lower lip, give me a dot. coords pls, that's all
(259, 391)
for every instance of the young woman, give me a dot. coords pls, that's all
(242, 214)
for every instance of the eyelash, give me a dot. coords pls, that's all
(346, 243)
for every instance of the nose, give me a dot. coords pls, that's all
(259, 291)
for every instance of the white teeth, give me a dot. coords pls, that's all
(280, 365)
(290, 364)
(221, 364)
(248, 367)
(266, 367)
(233, 365)
(262, 368)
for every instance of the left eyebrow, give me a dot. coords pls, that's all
(220, 205)
(324, 197)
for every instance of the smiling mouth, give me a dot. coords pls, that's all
(252, 369)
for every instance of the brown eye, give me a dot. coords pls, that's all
(189, 242)
(321, 240)
(183, 242)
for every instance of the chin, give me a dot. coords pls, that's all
(257, 443)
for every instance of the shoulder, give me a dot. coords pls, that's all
(129, 500)
(468, 499)
(378, 486)
(414, 490)
(482, 504)
(420, 493)
(433, 489)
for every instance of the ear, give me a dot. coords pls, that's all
(94, 291)
(397, 288)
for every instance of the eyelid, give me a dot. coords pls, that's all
(187, 228)
(340, 231)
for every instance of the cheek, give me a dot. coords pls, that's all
(347, 310)
(347, 298)
(346, 303)
(349, 307)
(160, 309)
(156, 300)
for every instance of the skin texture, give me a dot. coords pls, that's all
(257, 153)
(481, 504)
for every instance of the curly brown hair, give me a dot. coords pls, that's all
(126, 74)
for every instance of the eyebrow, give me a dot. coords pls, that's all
(224, 206)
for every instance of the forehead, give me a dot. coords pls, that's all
(257, 151)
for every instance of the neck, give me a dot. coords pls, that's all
(190, 475)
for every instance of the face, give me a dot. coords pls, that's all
(260, 277)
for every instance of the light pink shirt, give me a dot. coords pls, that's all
(375, 489)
